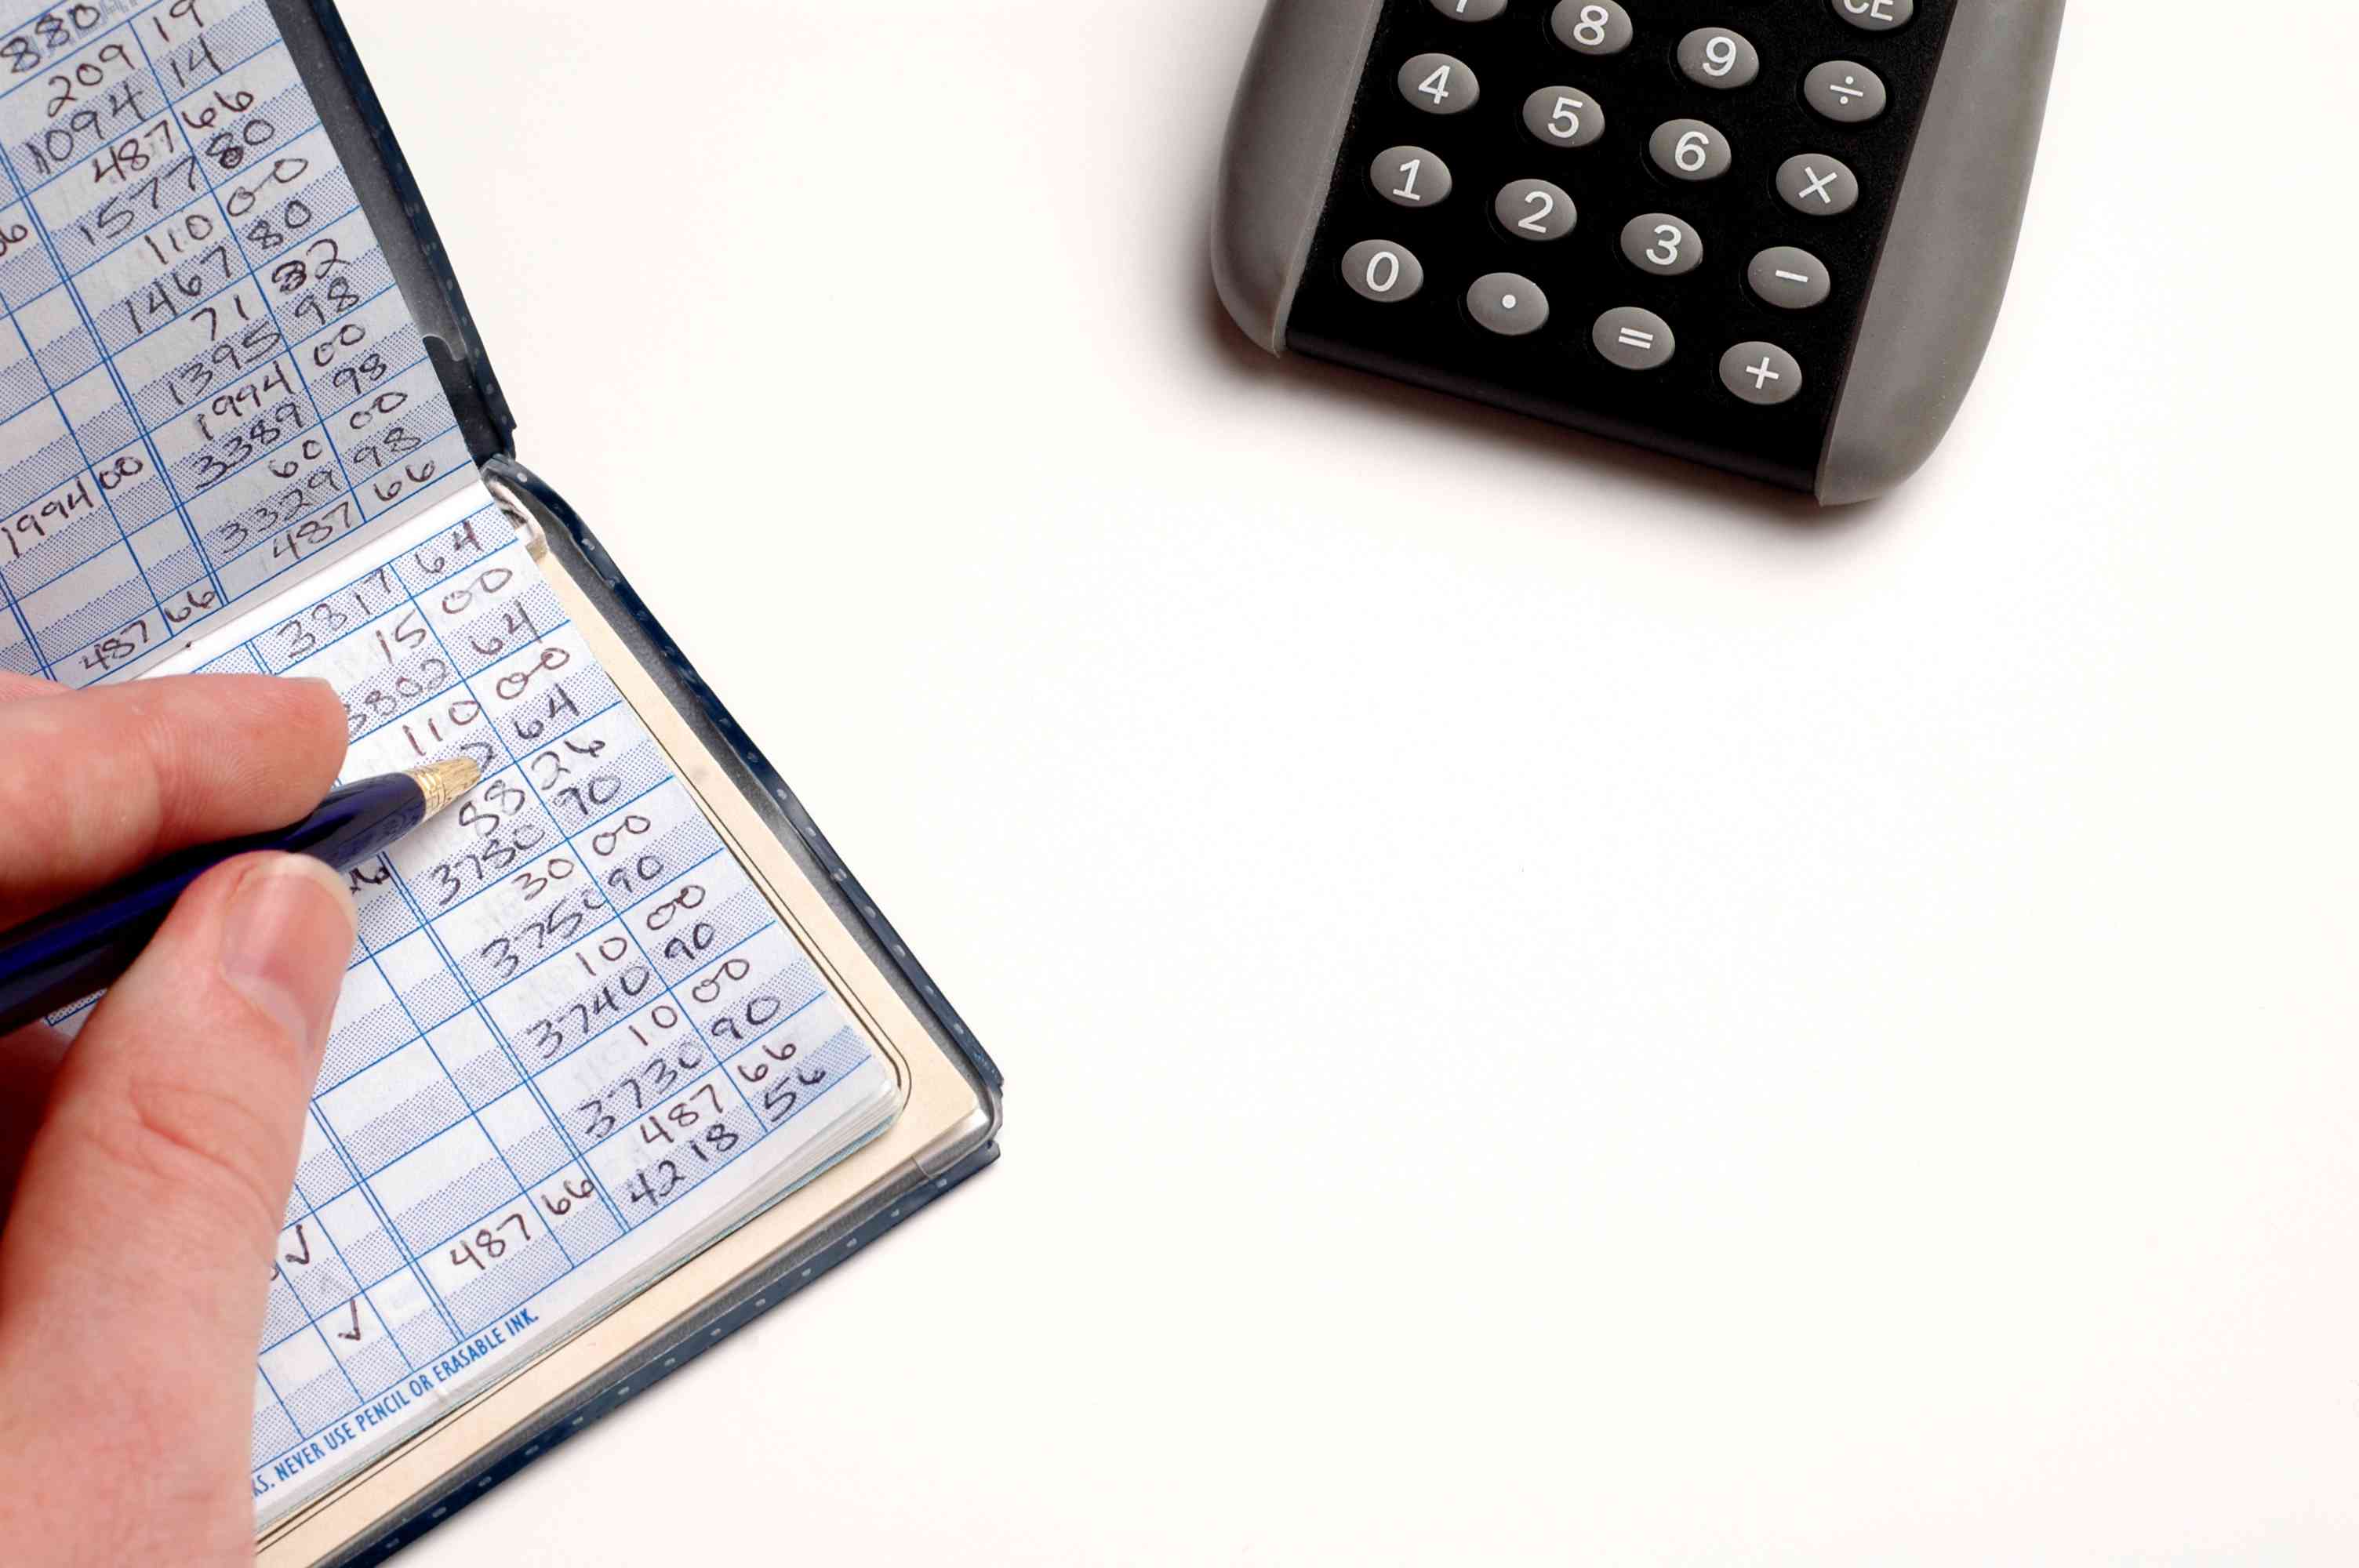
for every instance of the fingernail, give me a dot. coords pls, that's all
(285, 941)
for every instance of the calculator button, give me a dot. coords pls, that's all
(1690, 149)
(1535, 209)
(1439, 84)
(1592, 27)
(1788, 277)
(1817, 184)
(1662, 244)
(1845, 92)
(1470, 10)
(1633, 338)
(1382, 271)
(1409, 176)
(1564, 117)
(1761, 372)
(1507, 303)
(1876, 15)
(1714, 57)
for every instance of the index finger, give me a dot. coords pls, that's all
(95, 783)
(15, 687)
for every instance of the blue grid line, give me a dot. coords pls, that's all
(317, 424)
(211, 573)
(425, 925)
(719, 956)
(521, 975)
(292, 1425)
(525, 774)
(633, 936)
(719, 1064)
(48, 667)
(300, 562)
(621, 1236)
(131, 25)
(474, 1115)
(201, 301)
(493, 884)
(254, 275)
(81, 562)
(354, 496)
(352, 1169)
(310, 1323)
(599, 1251)
(278, 663)
(208, 192)
(122, 391)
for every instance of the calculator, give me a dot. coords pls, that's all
(1772, 237)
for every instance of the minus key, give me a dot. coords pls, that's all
(1789, 278)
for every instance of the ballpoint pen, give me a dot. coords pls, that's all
(71, 953)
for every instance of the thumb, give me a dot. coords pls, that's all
(136, 1256)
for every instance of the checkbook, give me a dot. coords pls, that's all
(625, 1056)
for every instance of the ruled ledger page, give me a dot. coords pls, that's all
(575, 1043)
(209, 383)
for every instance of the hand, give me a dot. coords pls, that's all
(143, 1172)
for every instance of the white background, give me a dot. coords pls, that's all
(1557, 1006)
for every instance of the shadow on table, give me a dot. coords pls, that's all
(1238, 357)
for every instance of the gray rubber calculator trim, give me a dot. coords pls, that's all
(1285, 135)
(1951, 244)
(1938, 286)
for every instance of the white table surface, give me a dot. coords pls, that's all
(1556, 1006)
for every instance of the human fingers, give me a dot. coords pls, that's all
(29, 1060)
(94, 784)
(137, 1254)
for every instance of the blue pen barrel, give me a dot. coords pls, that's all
(83, 948)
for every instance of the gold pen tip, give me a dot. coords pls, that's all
(445, 781)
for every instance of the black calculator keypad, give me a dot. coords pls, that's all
(1659, 222)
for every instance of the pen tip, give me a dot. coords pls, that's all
(445, 781)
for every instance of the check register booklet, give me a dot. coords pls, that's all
(616, 1004)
